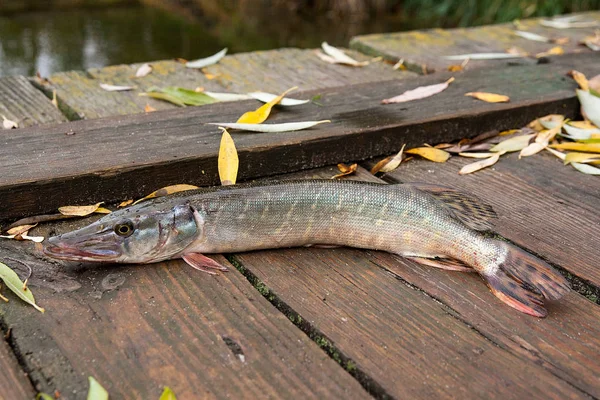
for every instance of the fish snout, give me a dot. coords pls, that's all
(75, 247)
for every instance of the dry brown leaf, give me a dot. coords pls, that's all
(228, 160)
(167, 190)
(18, 230)
(555, 51)
(149, 108)
(580, 79)
(430, 153)
(489, 97)
(345, 170)
(477, 165)
(390, 163)
(419, 93)
(125, 203)
(79, 211)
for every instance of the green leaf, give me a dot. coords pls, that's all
(43, 396)
(167, 394)
(14, 283)
(96, 391)
(179, 96)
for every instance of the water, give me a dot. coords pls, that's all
(49, 42)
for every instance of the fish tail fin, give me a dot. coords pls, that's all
(522, 281)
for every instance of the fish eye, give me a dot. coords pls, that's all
(124, 228)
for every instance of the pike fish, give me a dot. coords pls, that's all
(431, 225)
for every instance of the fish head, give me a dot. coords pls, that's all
(139, 234)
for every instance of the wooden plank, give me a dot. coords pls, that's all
(144, 152)
(24, 104)
(542, 205)
(137, 329)
(271, 71)
(427, 47)
(14, 384)
(397, 334)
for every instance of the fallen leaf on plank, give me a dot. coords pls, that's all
(14, 283)
(583, 147)
(552, 121)
(267, 97)
(80, 211)
(143, 70)
(513, 144)
(345, 170)
(508, 132)
(555, 51)
(458, 148)
(476, 155)
(270, 128)
(167, 190)
(390, 163)
(334, 55)
(485, 56)
(228, 160)
(477, 165)
(580, 157)
(419, 93)
(430, 153)
(586, 169)
(8, 124)
(489, 97)
(149, 108)
(205, 62)
(102, 210)
(558, 154)
(541, 142)
(96, 391)
(179, 96)
(590, 106)
(593, 42)
(167, 394)
(226, 96)
(125, 203)
(457, 68)
(568, 22)
(532, 36)
(574, 133)
(17, 230)
(262, 113)
(594, 83)
(115, 88)
(580, 79)
(54, 100)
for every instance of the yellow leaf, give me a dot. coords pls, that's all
(390, 163)
(345, 170)
(489, 97)
(430, 153)
(555, 51)
(561, 40)
(581, 157)
(541, 142)
(582, 124)
(167, 190)
(513, 144)
(210, 76)
(228, 160)
(477, 165)
(102, 210)
(80, 211)
(583, 147)
(508, 132)
(125, 203)
(261, 114)
(149, 108)
(580, 79)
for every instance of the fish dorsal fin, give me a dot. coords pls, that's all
(467, 208)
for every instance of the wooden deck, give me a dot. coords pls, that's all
(297, 323)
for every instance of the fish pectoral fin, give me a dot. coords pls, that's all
(203, 263)
(450, 264)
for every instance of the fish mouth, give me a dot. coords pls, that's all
(64, 250)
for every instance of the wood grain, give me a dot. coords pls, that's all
(24, 104)
(119, 158)
(137, 329)
(14, 384)
(425, 49)
(271, 71)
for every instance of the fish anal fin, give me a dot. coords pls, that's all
(443, 263)
(203, 263)
(469, 209)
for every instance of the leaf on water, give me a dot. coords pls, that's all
(430, 153)
(205, 62)
(477, 165)
(485, 56)
(115, 88)
(271, 128)
(390, 163)
(226, 96)
(267, 97)
(552, 121)
(516, 143)
(8, 124)
(179, 96)
(149, 108)
(575, 133)
(583, 147)
(96, 391)
(586, 169)
(489, 97)
(228, 160)
(476, 155)
(345, 170)
(532, 36)
(261, 114)
(143, 70)
(14, 283)
(167, 190)
(580, 79)
(334, 55)
(125, 203)
(555, 51)
(590, 106)
(80, 211)
(419, 93)
(580, 157)
(167, 394)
